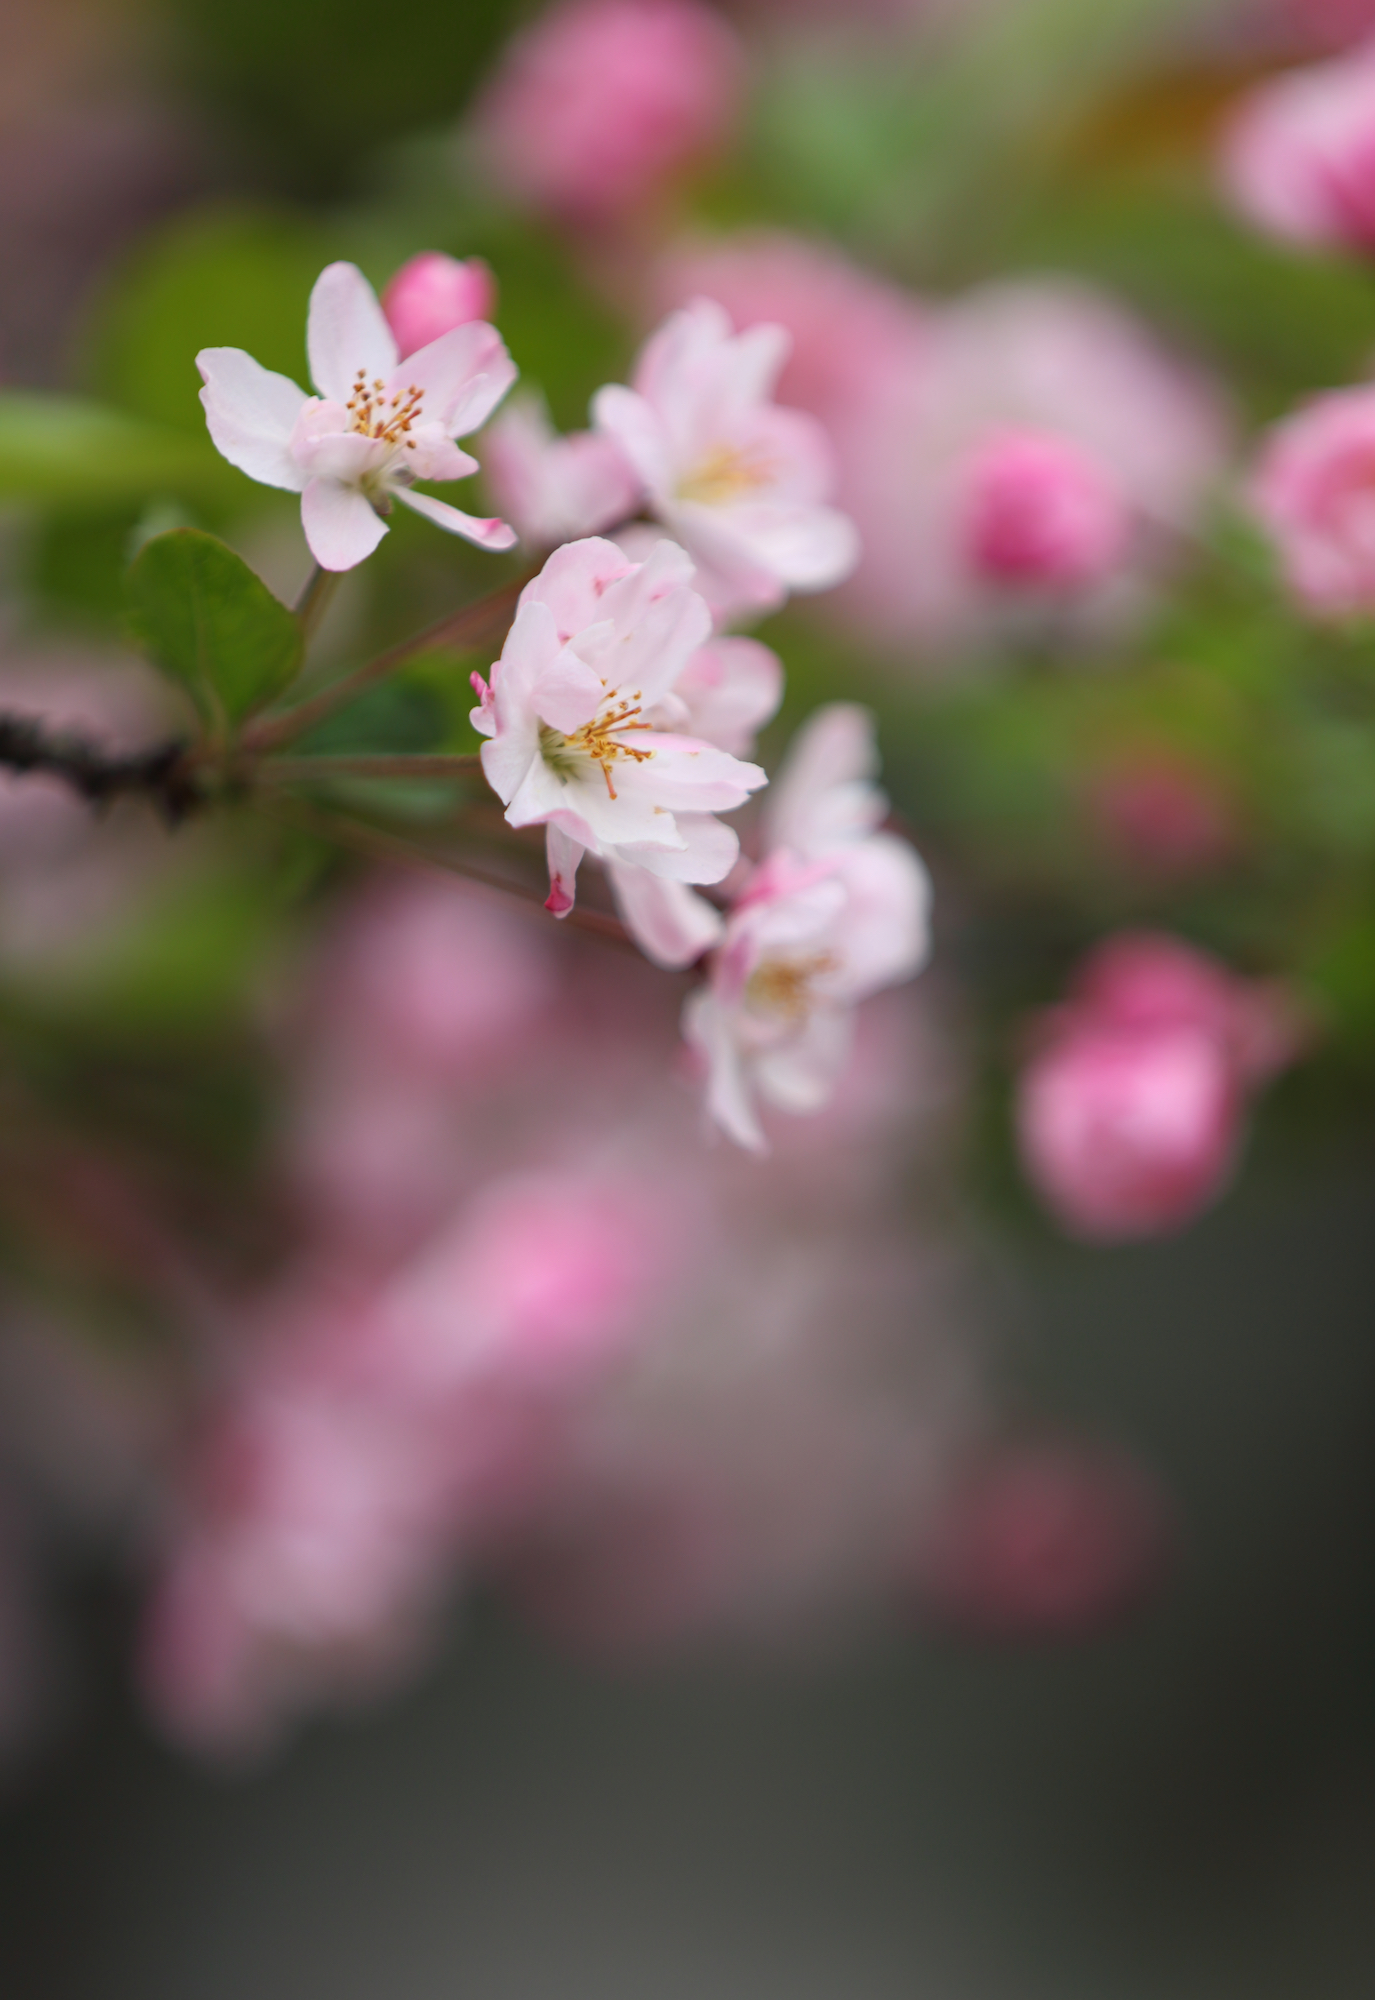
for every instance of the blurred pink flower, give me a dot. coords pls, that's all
(1299, 156)
(596, 108)
(1044, 1541)
(1334, 24)
(556, 489)
(836, 911)
(429, 976)
(432, 294)
(1126, 441)
(1130, 1111)
(740, 482)
(1041, 513)
(1314, 490)
(1165, 814)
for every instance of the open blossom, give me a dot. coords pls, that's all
(1130, 1112)
(836, 911)
(556, 489)
(432, 294)
(377, 425)
(572, 715)
(602, 102)
(740, 482)
(1314, 490)
(1299, 157)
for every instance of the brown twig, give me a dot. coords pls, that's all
(163, 775)
(378, 845)
(489, 617)
(301, 770)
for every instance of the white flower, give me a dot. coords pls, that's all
(836, 911)
(555, 489)
(597, 645)
(376, 426)
(741, 483)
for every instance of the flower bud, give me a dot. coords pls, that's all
(1313, 489)
(1041, 512)
(432, 294)
(1128, 1131)
(602, 102)
(1299, 157)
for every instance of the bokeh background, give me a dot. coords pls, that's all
(931, 1603)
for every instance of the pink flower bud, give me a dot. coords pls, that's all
(1314, 489)
(602, 102)
(1128, 1132)
(1046, 1540)
(432, 294)
(1130, 1112)
(1299, 158)
(1041, 511)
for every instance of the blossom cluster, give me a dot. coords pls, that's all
(621, 711)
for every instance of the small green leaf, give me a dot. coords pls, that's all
(209, 622)
(59, 448)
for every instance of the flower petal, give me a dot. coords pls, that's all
(564, 855)
(672, 925)
(464, 375)
(341, 528)
(707, 1028)
(490, 534)
(346, 331)
(251, 414)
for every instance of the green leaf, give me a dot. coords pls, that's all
(58, 448)
(210, 623)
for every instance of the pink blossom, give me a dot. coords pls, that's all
(741, 483)
(835, 912)
(556, 489)
(546, 1277)
(1040, 511)
(1130, 1112)
(1037, 437)
(1299, 157)
(602, 103)
(1045, 1540)
(1314, 490)
(430, 977)
(572, 717)
(432, 294)
(376, 427)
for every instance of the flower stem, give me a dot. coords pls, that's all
(300, 770)
(487, 619)
(313, 602)
(378, 845)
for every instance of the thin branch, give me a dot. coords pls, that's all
(313, 602)
(378, 845)
(302, 770)
(488, 618)
(163, 775)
